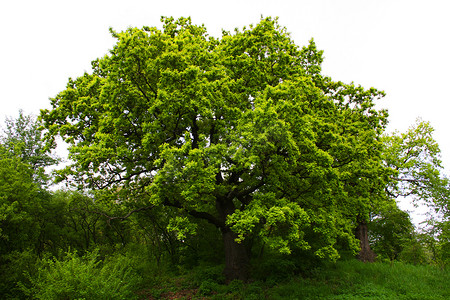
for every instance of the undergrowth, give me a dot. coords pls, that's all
(344, 280)
(133, 277)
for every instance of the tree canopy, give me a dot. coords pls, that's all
(242, 131)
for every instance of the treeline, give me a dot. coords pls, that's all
(58, 243)
(187, 150)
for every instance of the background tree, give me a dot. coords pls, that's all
(391, 231)
(33, 221)
(242, 132)
(415, 158)
(419, 175)
(20, 210)
(17, 194)
(22, 137)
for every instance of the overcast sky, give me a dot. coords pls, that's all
(401, 47)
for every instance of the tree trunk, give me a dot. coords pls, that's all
(236, 258)
(366, 254)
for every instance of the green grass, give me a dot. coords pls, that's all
(356, 280)
(343, 280)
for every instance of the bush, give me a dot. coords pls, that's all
(208, 287)
(84, 277)
(413, 253)
(274, 270)
(13, 269)
(208, 273)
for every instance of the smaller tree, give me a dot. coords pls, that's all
(415, 158)
(20, 204)
(22, 137)
(391, 231)
(419, 175)
(24, 202)
(438, 230)
(17, 202)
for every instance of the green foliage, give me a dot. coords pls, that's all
(439, 229)
(84, 277)
(24, 203)
(349, 279)
(437, 241)
(182, 226)
(25, 208)
(415, 158)
(275, 269)
(23, 138)
(242, 132)
(209, 273)
(176, 137)
(414, 252)
(356, 280)
(209, 287)
(18, 203)
(36, 223)
(391, 231)
(14, 268)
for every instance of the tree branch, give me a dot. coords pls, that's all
(197, 214)
(114, 217)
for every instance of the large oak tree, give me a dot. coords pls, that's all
(242, 131)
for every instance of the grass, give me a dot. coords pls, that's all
(356, 280)
(343, 280)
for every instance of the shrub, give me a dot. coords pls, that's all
(84, 277)
(211, 273)
(274, 270)
(13, 269)
(208, 287)
(413, 253)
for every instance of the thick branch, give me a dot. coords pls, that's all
(117, 177)
(197, 214)
(208, 217)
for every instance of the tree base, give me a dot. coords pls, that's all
(366, 254)
(236, 258)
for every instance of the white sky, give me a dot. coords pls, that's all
(399, 46)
